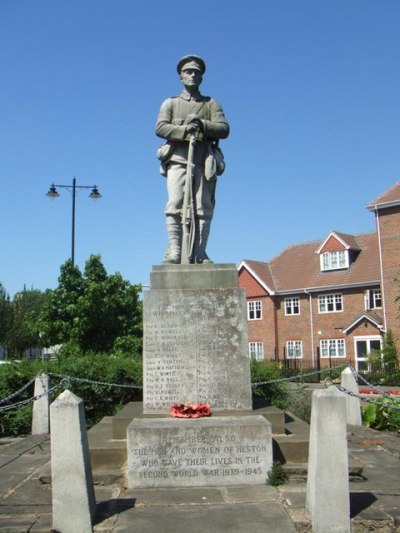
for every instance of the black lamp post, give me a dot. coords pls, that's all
(94, 195)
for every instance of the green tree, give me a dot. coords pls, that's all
(93, 311)
(56, 321)
(389, 352)
(5, 315)
(22, 333)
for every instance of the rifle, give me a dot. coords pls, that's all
(188, 219)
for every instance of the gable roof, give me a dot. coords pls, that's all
(348, 241)
(390, 198)
(371, 316)
(260, 272)
(298, 268)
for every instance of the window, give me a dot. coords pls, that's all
(373, 299)
(294, 349)
(334, 260)
(254, 310)
(292, 306)
(330, 303)
(333, 348)
(256, 350)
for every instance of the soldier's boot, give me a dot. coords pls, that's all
(201, 239)
(174, 233)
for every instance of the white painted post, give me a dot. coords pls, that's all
(327, 500)
(40, 413)
(74, 502)
(353, 405)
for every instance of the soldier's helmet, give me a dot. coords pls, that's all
(191, 61)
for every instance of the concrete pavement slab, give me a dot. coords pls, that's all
(181, 496)
(29, 497)
(26, 523)
(206, 519)
(248, 494)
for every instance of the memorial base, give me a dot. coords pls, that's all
(195, 339)
(219, 451)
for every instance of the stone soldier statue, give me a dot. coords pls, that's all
(192, 125)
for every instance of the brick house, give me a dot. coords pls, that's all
(329, 301)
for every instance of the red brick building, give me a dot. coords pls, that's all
(328, 301)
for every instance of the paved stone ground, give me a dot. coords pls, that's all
(25, 503)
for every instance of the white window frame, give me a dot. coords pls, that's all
(371, 298)
(256, 350)
(294, 349)
(254, 310)
(332, 348)
(334, 260)
(292, 306)
(335, 300)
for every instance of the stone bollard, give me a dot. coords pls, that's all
(353, 405)
(74, 503)
(40, 413)
(328, 500)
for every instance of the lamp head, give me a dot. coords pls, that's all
(52, 193)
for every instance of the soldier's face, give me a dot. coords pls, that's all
(191, 78)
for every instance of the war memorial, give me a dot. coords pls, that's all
(195, 329)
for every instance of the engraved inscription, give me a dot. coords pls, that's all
(206, 457)
(188, 337)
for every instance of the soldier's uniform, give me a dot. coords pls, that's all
(173, 118)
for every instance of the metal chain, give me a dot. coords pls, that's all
(65, 380)
(368, 400)
(103, 383)
(298, 376)
(16, 393)
(17, 405)
(375, 387)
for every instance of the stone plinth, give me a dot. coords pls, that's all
(353, 403)
(195, 339)
(41, 413)
(201, 452)
(327, 499)
(73, 498)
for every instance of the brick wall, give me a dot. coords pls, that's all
(250, 285)
(332, 245)
(389, 225)
(259, 330)
(323, 325)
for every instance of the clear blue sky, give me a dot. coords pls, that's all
(311, 89)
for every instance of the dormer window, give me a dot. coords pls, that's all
(334, 260)
(337, 251)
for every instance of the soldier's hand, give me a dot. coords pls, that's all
(193, 127)
(191, 118)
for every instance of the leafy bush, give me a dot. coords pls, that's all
(17, 421)
(13, 377)
(273, 393)
(380, 417)
(99, 400)
(299, 404)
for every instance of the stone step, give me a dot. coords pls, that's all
(132, 410)
(293, 446)
(108, 448)
(106, 453)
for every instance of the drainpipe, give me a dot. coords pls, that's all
(311, 327)
(378, 228)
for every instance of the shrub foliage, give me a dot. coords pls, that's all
(99, 400)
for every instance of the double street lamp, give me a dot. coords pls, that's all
(94, 195)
